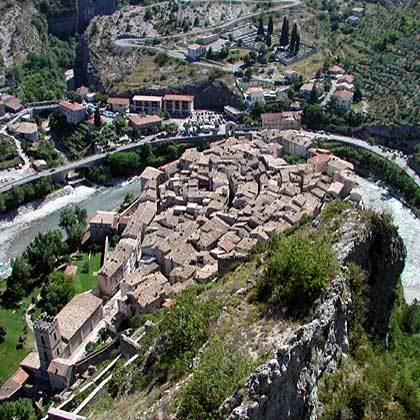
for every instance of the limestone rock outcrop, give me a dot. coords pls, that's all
(286, 387)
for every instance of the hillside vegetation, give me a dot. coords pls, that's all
(234, 324)
(383, 48)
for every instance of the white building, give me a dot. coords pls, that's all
(72, 112)
(195, 51)
(255, 95)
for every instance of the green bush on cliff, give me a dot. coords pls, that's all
(297, 272)
(220, 372)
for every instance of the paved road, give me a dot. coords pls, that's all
(390, 155)
(91, 160)
(277, 5)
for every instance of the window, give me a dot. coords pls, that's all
(42, 340)
(55, 336)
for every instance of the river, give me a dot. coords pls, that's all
(378, 198)
(15, 235)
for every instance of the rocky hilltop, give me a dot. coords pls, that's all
(286, 386)
(297, 351)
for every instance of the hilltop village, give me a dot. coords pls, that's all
(195, 217)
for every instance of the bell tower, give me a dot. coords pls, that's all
(48, 340)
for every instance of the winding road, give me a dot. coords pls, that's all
(132, 41)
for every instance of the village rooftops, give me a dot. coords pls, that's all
(60, 367)
(153, 287)
(173, 97)
(103, 217)
(147, 119)
(71, 106)
(336, 69)
(255, 89)
(31, 361)
(73, 316)
(346, 94)
(321, 158)
(148, 98)
(24, 128)
(194, 46)
(13, 385)
(118, 101)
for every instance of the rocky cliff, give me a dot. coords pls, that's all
(286, 386)
(75, 15)
(19, 33)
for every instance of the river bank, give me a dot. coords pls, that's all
(21, 227)
(379, 198)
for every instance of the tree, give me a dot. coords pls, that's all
(3, 333)
(124, 163)
(74, 222)
(297, 44)
(128, 199)
(314, 95)
(268, 41)
(20, 279)
(315, 117)
(97, 119)
(60, 290)
(260, 31)
(284, 37)
(270, 27)
(44, 251)
(294, 39)
(20, 410)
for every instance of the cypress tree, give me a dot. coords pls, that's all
(294, 38)
(97, 118)
(268, 41)
(284, 38)
(260, 31)
(270, 27)
(297, 44)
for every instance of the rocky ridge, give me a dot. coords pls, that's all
(286, 387)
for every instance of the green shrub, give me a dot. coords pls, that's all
(221, 371)
(296, 273)
(184, 329)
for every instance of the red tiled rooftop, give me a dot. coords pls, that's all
(71, 106)
(173, 97)
(118, 101)
(344, 94)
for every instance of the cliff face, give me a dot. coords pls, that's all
(18, 33)
(286, 386)
(77, 14)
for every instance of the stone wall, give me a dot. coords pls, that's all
(286, 387)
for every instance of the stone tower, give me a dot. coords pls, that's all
(48, 340)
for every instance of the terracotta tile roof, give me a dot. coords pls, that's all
(71, 106)
(346, 94)
(147, 98)
(255, 89)
(60, 367)
(31, 361)
(172, 97)
(118, 101)
(76, 313)
(148, 119)
(20, 376)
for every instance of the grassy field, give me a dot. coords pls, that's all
(14, 322)
(172, 73)
(87, 281)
